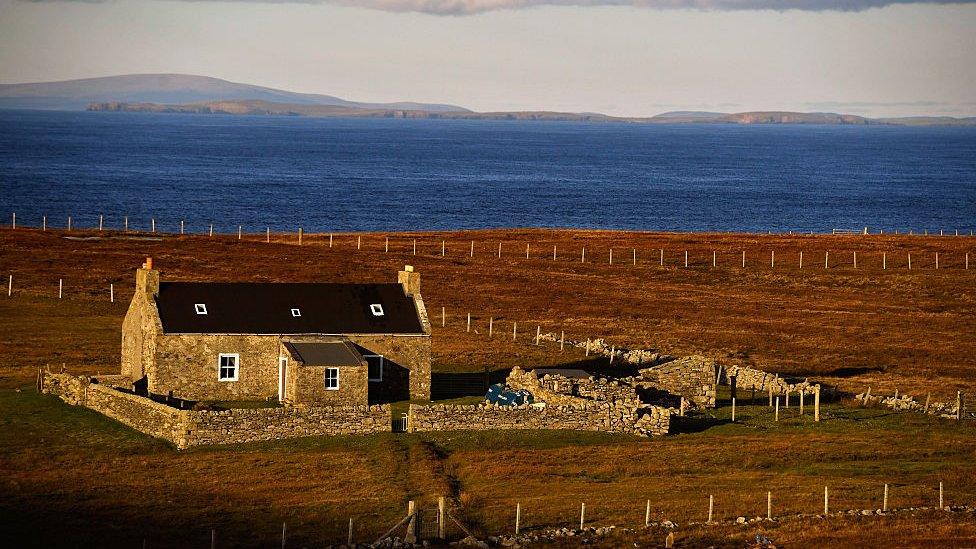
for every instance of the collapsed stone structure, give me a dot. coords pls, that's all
(564, 399)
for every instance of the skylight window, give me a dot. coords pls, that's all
(296, 312)
(200, 308)
(376, 309)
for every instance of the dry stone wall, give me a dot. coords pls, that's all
(692, 377)
(186, 428)
(558, 389)
(581, 416)
(948, 410)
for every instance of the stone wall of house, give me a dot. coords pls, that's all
(580, 416)
(185, 428)
(411, 352)
(187, 365)
(306, 385)
(141, 326)
(692, 377)
(558, 389)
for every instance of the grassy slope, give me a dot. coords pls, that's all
(72, 474)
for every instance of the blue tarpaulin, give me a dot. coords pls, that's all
(503, 396)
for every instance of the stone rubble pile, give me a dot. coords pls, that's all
(600, 347)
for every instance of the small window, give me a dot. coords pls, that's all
(374, 366)
(376, 309)
(200, 308)
(296, 312)
(227, 367)
(332, 379)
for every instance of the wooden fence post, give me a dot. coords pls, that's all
(443, 317)
(662, 257)
(518, 517)
(801, 260)
(587, 346)
(469, 322)
(330, 240)
(884, 261)
(472, 248)
(359, 242)
(101, 221)
(855, 260)
(802, 394)
(711, 507)
(153, 221)
(491, 325)
(714, 263)
(686, 258)
(526, 250)
(582, 514)
(769, 506)
(816, 403)
(826, 256)
(441, 516)
(733, 409)
(909, 262)
(44, 223)
(958, 405)
(562, 340)
(499, 250)
(538, 333)
(514, 331)
(941, 496)
(635, 256)
(349, 537)
(772, 259)
(884, 504)
(284, 534)
(300, 232)
(936, 260)
(826, 502)
(211, 229)
(553, 252)
(443, 248)
(69, 222)
(647, 514)
(111, 293)
(240, 232)
(60, 287)
(743, 259)
(415, 246)
(411, 536)
(777, 408)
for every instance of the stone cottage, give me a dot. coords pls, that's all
(299, 343)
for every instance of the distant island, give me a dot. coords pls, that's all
(268, 108)
(189, 94)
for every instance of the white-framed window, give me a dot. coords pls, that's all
(374, 367)
(332, 379)
(228, 366)
(200, 308)
(376, 309)
(296, 312)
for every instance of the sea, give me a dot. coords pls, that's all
(409, 175)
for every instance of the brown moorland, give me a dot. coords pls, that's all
(72, 477)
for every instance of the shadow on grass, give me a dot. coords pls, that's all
(681, 425)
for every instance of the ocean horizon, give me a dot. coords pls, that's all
(329, 174)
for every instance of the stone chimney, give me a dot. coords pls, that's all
(147, 279)
(410, 280)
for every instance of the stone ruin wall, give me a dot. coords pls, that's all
(746, 378)
(580, 416)
(558, 389)
(692, 377)
(185, 428)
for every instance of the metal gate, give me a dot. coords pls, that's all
(428, 525)
(400, 424)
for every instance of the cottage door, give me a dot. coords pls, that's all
(282, 376)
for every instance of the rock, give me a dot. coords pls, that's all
(740, 520)
(472, 541)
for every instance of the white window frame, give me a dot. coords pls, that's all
(200, 308)
(237, 366)
(295, 312)
(327, 377)
(376, 309)
(382, 366)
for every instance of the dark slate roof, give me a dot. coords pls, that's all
(263, 308)
(570, 373)
(324, 353)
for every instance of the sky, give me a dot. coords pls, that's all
(620, 57)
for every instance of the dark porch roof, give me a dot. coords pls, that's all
(324, 353)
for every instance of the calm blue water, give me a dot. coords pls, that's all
(331, 174)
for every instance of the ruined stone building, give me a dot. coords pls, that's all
(299, 343)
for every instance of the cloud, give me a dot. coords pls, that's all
(469, 7)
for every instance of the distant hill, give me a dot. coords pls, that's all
(171, 89)
(271, 108)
